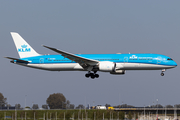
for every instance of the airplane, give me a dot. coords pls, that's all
(115, 64)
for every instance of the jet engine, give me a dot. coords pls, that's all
(107, 66)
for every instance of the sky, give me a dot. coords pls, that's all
(91, 27)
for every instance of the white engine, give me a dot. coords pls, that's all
(113, 68)
(107, 66)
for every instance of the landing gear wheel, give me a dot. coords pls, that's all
(96, 75)
(162, 74)
(92, 76)
(87, 75)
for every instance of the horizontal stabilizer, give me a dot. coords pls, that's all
(17, 60)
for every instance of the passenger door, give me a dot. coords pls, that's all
(125, 59)
(159, 59)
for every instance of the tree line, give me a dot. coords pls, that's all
(59, 101)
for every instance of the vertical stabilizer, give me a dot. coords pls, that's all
(23, 48)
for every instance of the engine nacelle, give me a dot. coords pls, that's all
(118, 72)
(107, 66)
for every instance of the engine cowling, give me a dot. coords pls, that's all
(118, 72)
(107, 66)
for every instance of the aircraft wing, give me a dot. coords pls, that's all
(84, 62)
(17, 60)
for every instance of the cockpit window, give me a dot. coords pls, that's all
(169, 59)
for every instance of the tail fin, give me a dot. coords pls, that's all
(23, 48)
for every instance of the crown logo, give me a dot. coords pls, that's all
(133, 56)
(24, 46)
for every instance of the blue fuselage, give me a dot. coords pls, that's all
(121, 61)
(156, 59)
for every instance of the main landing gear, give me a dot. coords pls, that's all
(162, 73)
(92, 75)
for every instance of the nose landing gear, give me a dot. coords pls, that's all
(162, 73)
(92, 75)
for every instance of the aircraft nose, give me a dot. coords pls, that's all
(174, 64)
